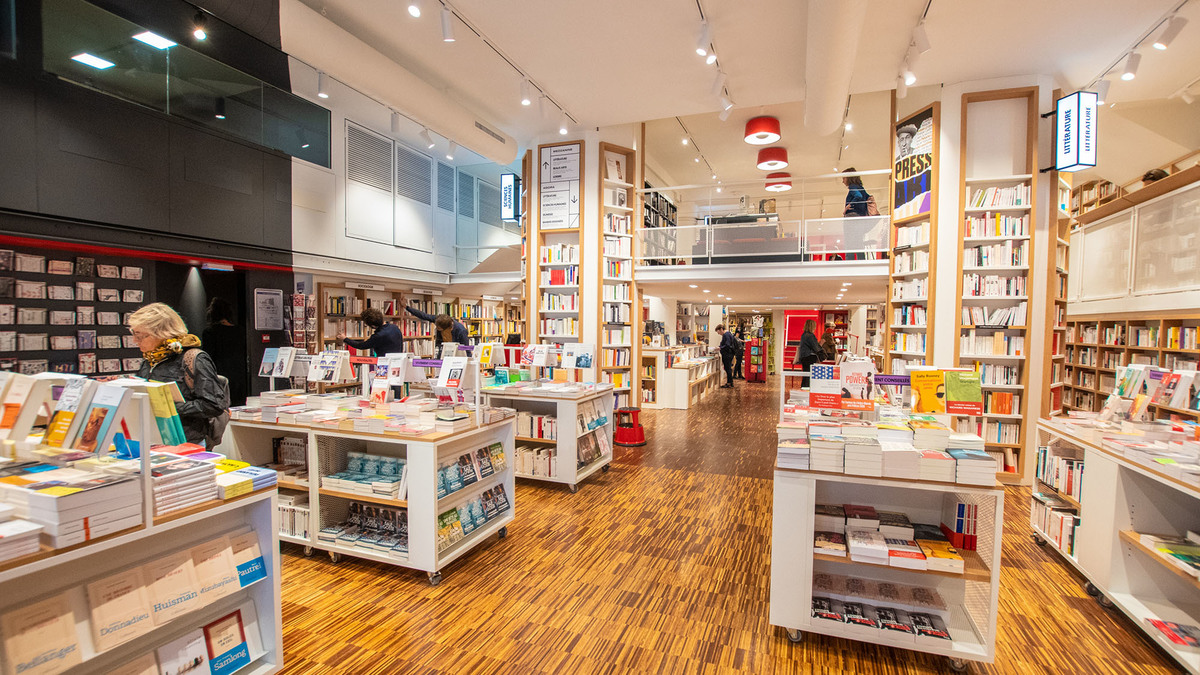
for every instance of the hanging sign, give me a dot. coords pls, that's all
(1075, 131)
(510, 197)
(559, 172)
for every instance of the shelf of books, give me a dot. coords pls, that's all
(111, 564)
(912, 270)
(1127, 523)
(556, 283)
(415, 500)
(996, 227)
(561, 437)
(886, 532)
(1054, 369)
(658, 236)
(681, 376)
(616, 335)
(514, 321)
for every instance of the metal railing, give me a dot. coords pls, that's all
(814, 239)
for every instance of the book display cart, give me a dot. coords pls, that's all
(971, 597)
(570, 468)
(996, 226)
(912, 270)
(679, 376)
(56, 581)
(755, 359)
(615, 334)
(1098, 532)
(327, 453)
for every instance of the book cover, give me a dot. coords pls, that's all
(1183, 636)
(247, 557)
(101, 419)
(825, 390)
(18, 388)
(225, 644)
(162, 406)
(857, 389)
(828, 609)
(171, 586)
(829, 543)
(145, 664)
(120, 609)
(964, 393)
(452, 372)
(270, 355)
(64, 421)
(40, 638)
(929, 391)
(283, 362)
(216, 574)
(186, 655)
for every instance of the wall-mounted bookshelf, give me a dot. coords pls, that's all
(997, 203)
(659, 218)
(616, 336)
(1054, 370)
(556, 281)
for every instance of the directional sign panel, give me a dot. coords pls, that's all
(559, 170)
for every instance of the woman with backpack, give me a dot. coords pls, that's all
(171, 354)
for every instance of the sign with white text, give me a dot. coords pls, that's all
(1075, 131)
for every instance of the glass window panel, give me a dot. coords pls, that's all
(1106, 258)
(1168, 232)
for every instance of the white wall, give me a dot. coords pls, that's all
(858, 330)
(661, 309)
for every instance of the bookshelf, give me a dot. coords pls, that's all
(755, 359)
(912, 270)
(1054, 370)
(997, 203)
(556, 281)
(616, 337)
(658, 237)
(514, 320)
(1097, 345)
(327, 454)
(841, 327)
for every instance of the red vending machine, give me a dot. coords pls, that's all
(755, 359)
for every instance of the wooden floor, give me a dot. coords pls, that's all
(660, 566)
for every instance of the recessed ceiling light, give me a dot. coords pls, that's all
(719, 189)
(515, 297)
(414, 9)
(779, 297)
(685, 141)
(93, 61)
(697, 160)
(707, 291)
(720, 295)
(693, 286)
(200, 22)
(154, 40)
(849, 126)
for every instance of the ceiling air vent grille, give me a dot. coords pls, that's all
(368, 158)
(489, 205)
(466, 195)
(414, 175)
(445, 187)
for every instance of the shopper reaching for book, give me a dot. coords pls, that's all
(171, 354)
(445, 328)
(386, 337)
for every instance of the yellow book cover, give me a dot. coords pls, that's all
(938, 549)
(227, 465)
(929, 391)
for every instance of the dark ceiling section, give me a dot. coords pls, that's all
(259, 18)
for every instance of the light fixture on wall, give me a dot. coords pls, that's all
(321, 93)
(1102, 91)
(779, 182)
(725, 113)
(414, 8)
(427, 138)
(219, 111)
(525, 98)
(451, 151)
(705, 38)
(200, 26)
(910, 78)
(773, 158)
(1131, 65)
(447, 25)
(562, 124)
(762, 131)
(921, 39)
(711, 58)
(1169, 32)
(395, 122)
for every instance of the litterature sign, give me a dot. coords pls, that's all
(510, 197)
(1075, 131)
(914, 154)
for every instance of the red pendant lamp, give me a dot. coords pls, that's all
(779, 182)
(762, 131)
(773, 158)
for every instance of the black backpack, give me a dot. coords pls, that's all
(216, 425)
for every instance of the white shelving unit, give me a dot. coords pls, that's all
(616, 358)
(327, 450)
(1119, 499)
(683, 375)
(971, 597)
(566, 411)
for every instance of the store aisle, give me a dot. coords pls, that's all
(660, 565)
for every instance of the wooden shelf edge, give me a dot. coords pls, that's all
(1131, 538)
(974, 568)
(374, 499)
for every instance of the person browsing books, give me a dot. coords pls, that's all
(740, 336)
(386, 338)
(171, 354)
(809, 351)
(828, 344)
(445, 329)
(728, 349)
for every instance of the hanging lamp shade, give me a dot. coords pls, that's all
(779, 182)
(762, 131)
(773, 158)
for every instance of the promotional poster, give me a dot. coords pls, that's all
(913, 169)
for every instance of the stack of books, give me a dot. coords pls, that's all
(867, 546)
(17, 537)
(830, 518)
(71, 505)
(905, 553)
(183, 483)
(929, 433)
(974, 467)
(793, 454)
(900, 460)
(826, 453)
(863, 456)
(245, 480)
(895, 525)
(937, 465)
(861, 517)
(1181, 552)
(380, 475)
(940, 555)
(830, 543)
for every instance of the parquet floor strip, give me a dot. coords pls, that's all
(660, 566)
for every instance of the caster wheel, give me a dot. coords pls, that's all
(1104, 602)
(335, 557)
(605, 468)
(308, 551)
(574, 489)
(435, 578)
(1038, 540)
(958, 665)
(503, 532)
(795, 635)
(1091, 589)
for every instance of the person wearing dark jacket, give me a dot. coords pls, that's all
(728, 349)
(445, 329)
(171, 354)
(856, 207)
(386, 338)
(809, 351)
(225, 342)
(740, 336)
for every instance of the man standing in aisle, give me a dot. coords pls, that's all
(728, 349)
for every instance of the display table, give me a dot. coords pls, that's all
(327, 454)
(569, 468)
(1119, 499)
(970, 597)
(681, 375)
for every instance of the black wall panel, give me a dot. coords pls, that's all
(277, 201)
(216, 188)
(18, 147)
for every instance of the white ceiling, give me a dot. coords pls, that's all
(790, 293)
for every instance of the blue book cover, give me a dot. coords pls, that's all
(453, 479)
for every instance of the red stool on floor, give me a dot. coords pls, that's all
(629, 431)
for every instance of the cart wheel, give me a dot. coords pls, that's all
(958, 665)
(574, 489)
(795, 634)
(1038, 540)
(503, 532)
(435, 578)
(1104, 601)
(335, 557)
(1091, 589)
(605, 468)
(308, 551)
